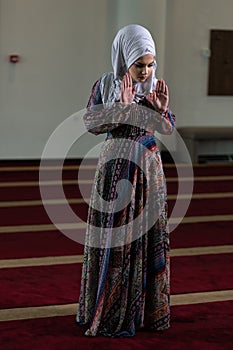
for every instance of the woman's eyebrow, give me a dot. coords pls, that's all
(144, 64)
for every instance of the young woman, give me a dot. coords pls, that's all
(125, 275)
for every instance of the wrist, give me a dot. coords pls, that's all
(126, 102)
(161, 111)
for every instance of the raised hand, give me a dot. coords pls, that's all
(159, 98)
(127, 89)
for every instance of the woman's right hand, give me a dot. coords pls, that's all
(127, 89)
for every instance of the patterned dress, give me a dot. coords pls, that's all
(125, 275)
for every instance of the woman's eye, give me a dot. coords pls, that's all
(138, 65)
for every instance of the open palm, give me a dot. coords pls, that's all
(159, 98)
(127, 89)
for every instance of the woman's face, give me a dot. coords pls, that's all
(142, 68)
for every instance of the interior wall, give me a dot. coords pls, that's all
(152, 15)
(64, 46)
(63, 50)
(186, 66)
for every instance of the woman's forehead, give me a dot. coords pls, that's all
(148, 58)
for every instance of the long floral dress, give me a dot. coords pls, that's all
(125, 275)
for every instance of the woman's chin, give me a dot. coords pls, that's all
(142, 79)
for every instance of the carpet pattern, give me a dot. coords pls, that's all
(40, 268)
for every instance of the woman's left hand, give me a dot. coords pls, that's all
(159, 98)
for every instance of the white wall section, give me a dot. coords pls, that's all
(64, 46)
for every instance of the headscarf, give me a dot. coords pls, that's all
(131, 42)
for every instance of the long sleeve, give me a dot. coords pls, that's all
(163, 124)
(95, 98)
(101, 118)
(166, 124)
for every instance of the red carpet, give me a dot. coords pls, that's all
(202, 234)
(73, 191)
(198, 327)
(207, 325)
(201, 273)
(54, 243)
(33, 192)
(39, 285)
(47, 285)
(33, 215)
(37, 244)
(199, 170)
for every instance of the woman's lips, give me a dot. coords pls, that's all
(143, 77)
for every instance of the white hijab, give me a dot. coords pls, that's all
(131, 42)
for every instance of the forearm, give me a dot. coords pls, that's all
(164, 121)
(100, 119)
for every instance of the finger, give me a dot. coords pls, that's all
(154, 95)
(161, 86)
(126, 80)
(129, 80)
(123, 83)
(164, 86)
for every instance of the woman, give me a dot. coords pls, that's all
(125, 276)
